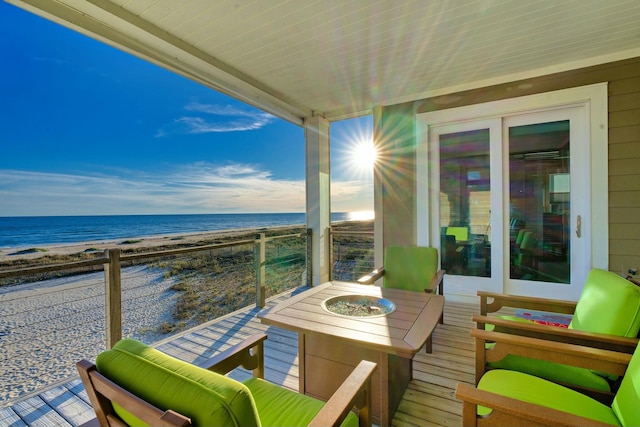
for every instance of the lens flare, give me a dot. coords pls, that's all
(363, 155)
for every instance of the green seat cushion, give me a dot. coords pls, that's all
(209, 399)
(528, 388)
(409, 267)
(553, 372)
(271, 401)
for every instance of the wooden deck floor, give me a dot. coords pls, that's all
(428, 401)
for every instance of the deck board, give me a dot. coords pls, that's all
(428, 401)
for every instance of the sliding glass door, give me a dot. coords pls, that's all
(509, 201)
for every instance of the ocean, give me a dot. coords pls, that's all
(49, 230)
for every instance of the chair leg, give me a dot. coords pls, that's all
(441, 292)
(428, 346)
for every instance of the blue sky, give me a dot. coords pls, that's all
(86, 129)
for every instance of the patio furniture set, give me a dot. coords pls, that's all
(354, 369)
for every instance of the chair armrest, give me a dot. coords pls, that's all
(239, 355)
(512, 412)
(555, 333)
(102, 391)
(368, 279)
(436, 282)
(516, 301)
(567, 354)
(354, 391)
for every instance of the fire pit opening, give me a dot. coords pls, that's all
(358, 306)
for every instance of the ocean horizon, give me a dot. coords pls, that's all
(30, 231)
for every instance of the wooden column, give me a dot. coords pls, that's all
(113, 297)
(378, 207)
(318, 196)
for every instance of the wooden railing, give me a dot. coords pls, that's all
(92, 312)
(112, 261)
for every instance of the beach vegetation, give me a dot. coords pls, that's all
(130, 241)
(29, 251)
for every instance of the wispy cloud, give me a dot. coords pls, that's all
(196, 188)
(207, 118)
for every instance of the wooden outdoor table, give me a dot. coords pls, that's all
(330, 346)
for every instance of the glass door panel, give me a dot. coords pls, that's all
(465, 203)
(539, 202)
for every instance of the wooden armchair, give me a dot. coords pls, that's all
(511, 398)
(134, 383)
(607, 316)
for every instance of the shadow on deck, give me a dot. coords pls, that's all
(428, 400)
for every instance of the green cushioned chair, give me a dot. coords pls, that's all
(136, 385)
(608, 305)
(412, 268)
(511, 398)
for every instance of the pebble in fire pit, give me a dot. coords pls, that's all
(358, 306)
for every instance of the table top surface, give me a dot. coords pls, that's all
(402, 332)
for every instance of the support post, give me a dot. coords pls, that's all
(113, 297)
(260, 260)
(309, 255)
(318, 195)
(332, 260)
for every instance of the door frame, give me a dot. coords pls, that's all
(592, 99)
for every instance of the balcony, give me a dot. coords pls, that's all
(427, 401)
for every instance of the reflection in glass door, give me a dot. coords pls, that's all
(539, 202)
(465, 199)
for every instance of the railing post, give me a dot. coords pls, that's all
(113, 297)
(259, 257)
(309, 259)
(331, 260)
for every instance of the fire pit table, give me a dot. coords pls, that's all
(394, 326)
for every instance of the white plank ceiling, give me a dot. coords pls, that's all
(341, 58)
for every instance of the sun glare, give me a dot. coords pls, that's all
(364, 155)
(360, 215)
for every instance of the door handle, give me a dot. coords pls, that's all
(579, 226)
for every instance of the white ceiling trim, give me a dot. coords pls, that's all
(568, 66)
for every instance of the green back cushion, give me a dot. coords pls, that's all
(271, 400)
(625, 404)
(545, 393)
(209, 399)
(409, 267)
(461, 233)
(609, 304)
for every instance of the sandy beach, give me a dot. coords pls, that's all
(47, 326)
